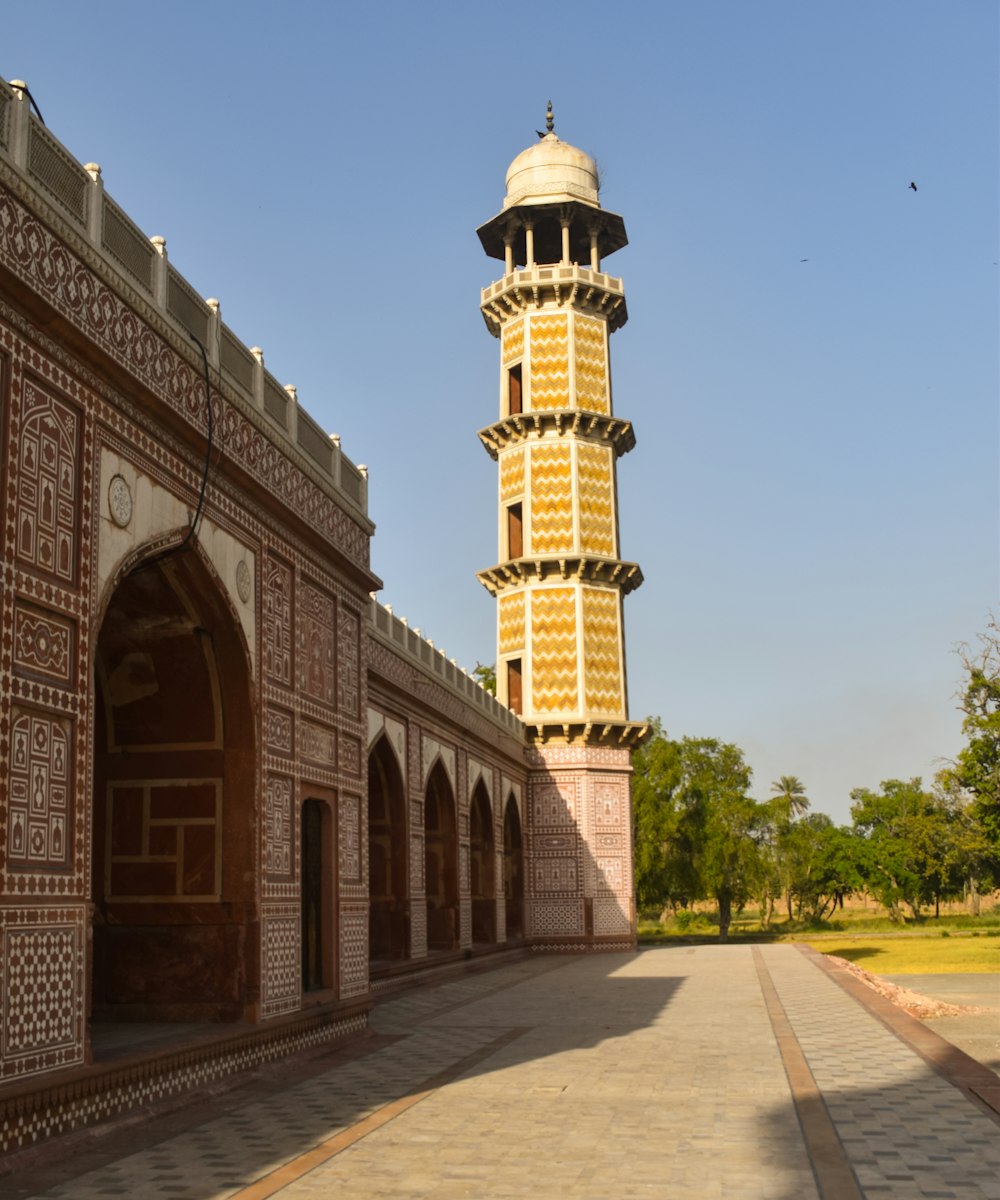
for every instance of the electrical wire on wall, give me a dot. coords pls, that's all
(192, 531)
(196, 519)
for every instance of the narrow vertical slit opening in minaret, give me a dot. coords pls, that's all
(515, 535)
(514, 685)
(514, 391)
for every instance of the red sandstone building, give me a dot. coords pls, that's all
(238, 797)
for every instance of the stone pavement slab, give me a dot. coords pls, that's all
(976, 1034)
(686, 1073)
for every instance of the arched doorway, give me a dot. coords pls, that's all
(440, 862)
(173, 887)
(389, 909)
(481, 869)
(513, 871)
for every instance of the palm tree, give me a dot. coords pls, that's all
(790, 799)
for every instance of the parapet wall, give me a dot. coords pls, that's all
(395, 632)
(76, 192)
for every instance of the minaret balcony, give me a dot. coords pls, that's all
(574, 422)
(540, 567)
(613, 734)
(561, 284)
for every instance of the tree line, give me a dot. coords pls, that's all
(700, 835)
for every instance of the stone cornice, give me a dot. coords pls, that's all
(626, 735)
(541, 567)
(566, 285)
(574, 422)
(56, 264)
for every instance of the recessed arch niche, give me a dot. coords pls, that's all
(174, 802)
(389, 912)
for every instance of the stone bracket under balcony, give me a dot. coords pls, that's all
(539, 567)
(619, 734)
(595, 427)
(567, 285)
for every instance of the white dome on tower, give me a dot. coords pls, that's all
(550, 172)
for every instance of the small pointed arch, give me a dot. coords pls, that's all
(388, 883)
(435, 753)
(394, 732)
(441, 860)
(482, 870)
(513, 869)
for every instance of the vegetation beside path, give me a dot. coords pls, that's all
(955, 943)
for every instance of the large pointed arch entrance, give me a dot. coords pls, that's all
(173, 880)
(440, 861)
(482, 873)
(389, 910)
(513, 871)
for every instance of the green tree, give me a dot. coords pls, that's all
(895, 828)
(964, 863)
(486, 674)
(821, 864)
(978, 766)
(698, 834)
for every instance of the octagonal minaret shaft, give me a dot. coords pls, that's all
(559, 579)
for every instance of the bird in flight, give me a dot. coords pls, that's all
(913, 186)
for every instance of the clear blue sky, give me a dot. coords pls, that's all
(814, 494)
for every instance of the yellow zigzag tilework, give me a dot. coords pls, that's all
(513, 340)
(601, 652)
(597, 530)
(511, 473)
(511, 620)
(551, 499)
(591, 365)
(549, 362)
(553, 650)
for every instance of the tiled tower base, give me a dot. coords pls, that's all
(580, 848)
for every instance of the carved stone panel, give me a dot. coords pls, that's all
(40, 797)
(48, 485)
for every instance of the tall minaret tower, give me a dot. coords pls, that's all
(560, 580)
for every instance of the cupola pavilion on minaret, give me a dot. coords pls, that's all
(560, 579)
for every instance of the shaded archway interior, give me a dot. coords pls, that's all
(174, 918)
(441, 861)
(482, 872)
(513, 871)
(389, 911)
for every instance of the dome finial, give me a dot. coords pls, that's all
(550, 124)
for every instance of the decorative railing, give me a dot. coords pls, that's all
(396, 633)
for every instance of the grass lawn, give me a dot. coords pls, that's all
(934, 946)
(915, 955)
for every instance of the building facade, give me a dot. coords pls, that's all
(236, 790)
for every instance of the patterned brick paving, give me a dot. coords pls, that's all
(651, 1075)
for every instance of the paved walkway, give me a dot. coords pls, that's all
(676, 1073)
